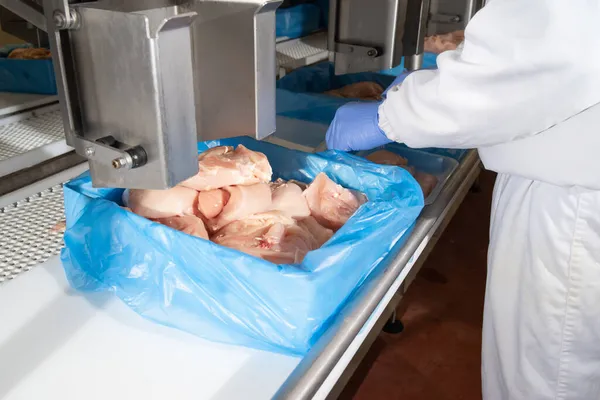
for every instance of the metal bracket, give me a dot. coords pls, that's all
(361, 51)
(445, 18)
(103, 151)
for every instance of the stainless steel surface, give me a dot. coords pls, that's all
(28, 176)
(12, 104)
(133, 80)
(29, 11)
(31, 232)
(300, 52)
(451, 15)
(22, 136)
(315, 367)
(17, 26)
(234, 67)
(415, 26)
(130, 70)
(413, 63)
(370, 23)
(442, 222)
(355, 50)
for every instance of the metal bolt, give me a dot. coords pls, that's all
(89, 151)
(371, 53)
(119, 163)
(60, 21)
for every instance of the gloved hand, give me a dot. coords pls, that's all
(356, 127)
(397, 82)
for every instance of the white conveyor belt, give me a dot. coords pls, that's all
(57, 344)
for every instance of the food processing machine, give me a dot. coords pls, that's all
(140, 82)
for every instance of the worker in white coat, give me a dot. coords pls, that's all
(524, 88)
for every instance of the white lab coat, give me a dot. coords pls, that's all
(525, 90)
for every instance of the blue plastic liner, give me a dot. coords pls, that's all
(222, 294)
(299, 94)
(324, 6)
(297, 21)
(27, 76)
(429, 61)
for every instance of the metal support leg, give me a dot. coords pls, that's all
(393, 325)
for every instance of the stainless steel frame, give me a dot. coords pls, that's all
(315, 368)
(140, 82)
(372, 35)
(29, 11)
(451, 15)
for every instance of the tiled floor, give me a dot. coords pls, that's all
(437, 357)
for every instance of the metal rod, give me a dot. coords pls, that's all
(314, 368)
(28, 176)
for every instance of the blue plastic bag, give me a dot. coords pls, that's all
(222, 294)
(429, 62)
(299, 94)
(297, 21)
(324, 6)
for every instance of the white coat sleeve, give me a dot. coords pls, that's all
(519, 72)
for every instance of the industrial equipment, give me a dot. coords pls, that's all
(149, 79)
(140, 82)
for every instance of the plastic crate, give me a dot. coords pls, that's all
(297, 21)
(439, 166)
(27, 76)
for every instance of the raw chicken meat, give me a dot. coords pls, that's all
(161, 203)
(319, 233)
(410, 169)
(439, 43)
(231, 203)
(30, 54)
(211, 202)
(223, 166)
(243, 201)
(189, 224)
(59, 227)
(287, 198)
(271, 236)
(387, 157)
(359, 90)
(301, 185)
(330, 204)
(426, 181)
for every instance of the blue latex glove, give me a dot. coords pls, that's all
(397, 82)
(356, 127)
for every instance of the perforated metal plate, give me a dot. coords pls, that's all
(301, 52)
(19, 137)
(31, 232)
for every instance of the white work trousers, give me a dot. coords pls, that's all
(541, 330)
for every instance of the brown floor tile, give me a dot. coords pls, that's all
(438, 354)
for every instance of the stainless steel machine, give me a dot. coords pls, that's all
(141, 81)
(367, 35)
